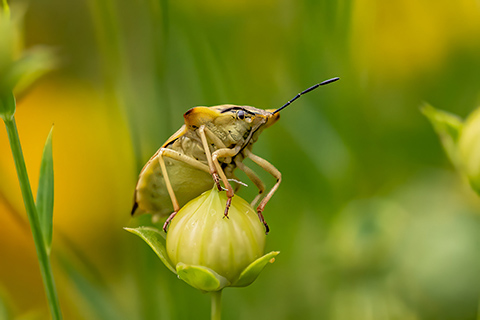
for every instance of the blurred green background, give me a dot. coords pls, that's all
(371, 219)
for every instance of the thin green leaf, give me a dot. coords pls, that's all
(156, 241)
(45, 192)
(448, 127)
(42, 255)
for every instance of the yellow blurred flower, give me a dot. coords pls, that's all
(398, 38)
(94, 175)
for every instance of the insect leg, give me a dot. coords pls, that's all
(215, 169)
(212, 137)
(267, 166)
(180, 157)
(203, 132)
(220, 145)
(221, 153)
(254, 178)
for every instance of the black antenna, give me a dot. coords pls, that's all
(306, 91)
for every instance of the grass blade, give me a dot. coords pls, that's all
(43, 258)
(45, 191)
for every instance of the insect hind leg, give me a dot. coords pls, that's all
(262, 219)
(267, 166)
(169, 219)
(164, 152)
(254, 178)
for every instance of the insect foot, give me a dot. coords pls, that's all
(262, 220)
(169, 219)
(227, 207)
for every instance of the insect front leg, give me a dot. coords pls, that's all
(203, 132)
(267, 166)
(221, 153)
(164, 152)
(254, 178)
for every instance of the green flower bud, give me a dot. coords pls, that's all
(209, 251)
(461, 141)
(448, 127)
(469, 149)
(200, 235)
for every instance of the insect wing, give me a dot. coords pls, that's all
(150, 175)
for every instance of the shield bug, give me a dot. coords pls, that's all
(206, 150)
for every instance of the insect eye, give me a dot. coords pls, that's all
(241, 114)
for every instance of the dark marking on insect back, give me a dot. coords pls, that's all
(238, 108)
(170, 143)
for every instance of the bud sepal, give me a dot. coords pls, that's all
(156, 240)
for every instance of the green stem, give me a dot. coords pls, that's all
(43, 259)
(217, 305)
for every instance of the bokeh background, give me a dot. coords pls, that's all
(371, 219)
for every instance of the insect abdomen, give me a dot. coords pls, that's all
(151, 194)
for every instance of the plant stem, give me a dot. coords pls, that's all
(43, 259)
(217, 305)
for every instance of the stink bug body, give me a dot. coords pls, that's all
(206, 150)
